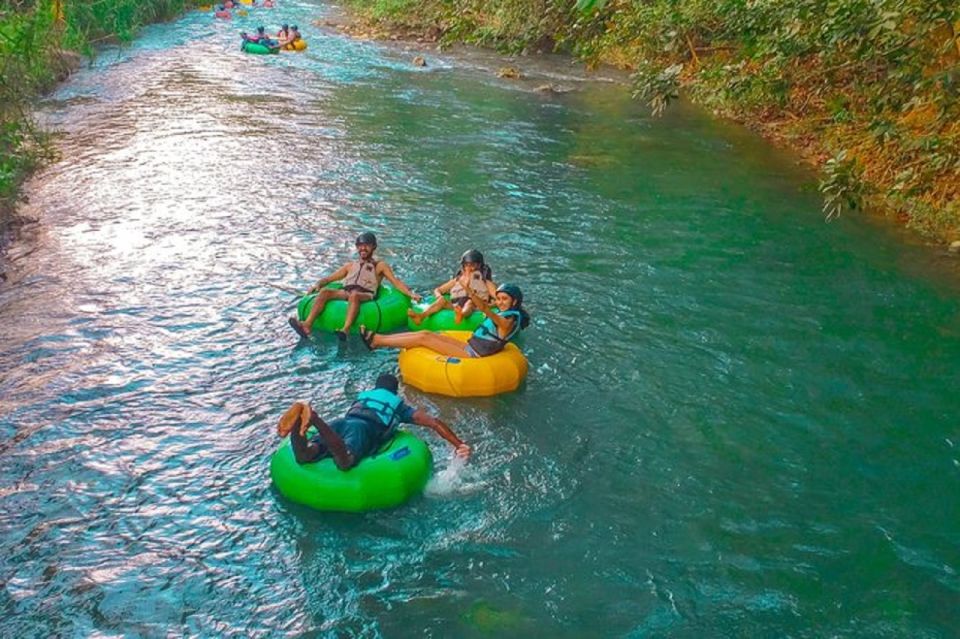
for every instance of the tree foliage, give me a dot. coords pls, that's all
(38, 39)
(873, 84)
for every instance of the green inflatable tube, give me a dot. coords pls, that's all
(257, 49)
(397, 472)
(443, 320)
(386, 313)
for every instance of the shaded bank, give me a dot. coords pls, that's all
(865, 91)
(41, 43)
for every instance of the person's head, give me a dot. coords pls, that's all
(260, 30)
(510, 298)
(295, 29)
(285, 27)
(388, 382)
(366, 244)
(471, 260)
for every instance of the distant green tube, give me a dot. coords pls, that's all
(387, 312)
(443, 320)
(396, 473)
(257, 49)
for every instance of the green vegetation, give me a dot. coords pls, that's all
(865, 89)
(40, 43)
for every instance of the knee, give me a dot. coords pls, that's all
(354, 297)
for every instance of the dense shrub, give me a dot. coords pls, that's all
(872, 84)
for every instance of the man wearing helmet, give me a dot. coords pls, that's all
(474, 274)
(361, 280)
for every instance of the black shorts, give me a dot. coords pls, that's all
(350, 288)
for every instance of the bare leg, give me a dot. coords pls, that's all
(442, 344)
(295, 422)
(459, 312)
(342, 456)
(437, 305)
(353, 307)
(319, 303)
(304, 451)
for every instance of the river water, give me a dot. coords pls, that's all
(739, 421)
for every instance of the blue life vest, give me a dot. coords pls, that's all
(381, 403)
(488, 331)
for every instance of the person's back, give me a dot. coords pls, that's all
(369, 423)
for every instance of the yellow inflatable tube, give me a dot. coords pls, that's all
(463, 377)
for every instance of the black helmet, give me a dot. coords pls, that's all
(367, 238)
(285, 26)
(513, 291)
(295, 28)
(260, 29)
(388, 382)
(473, 256)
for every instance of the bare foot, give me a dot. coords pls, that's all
(415, 316)
(291, 419)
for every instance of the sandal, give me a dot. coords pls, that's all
(367, 336)
(295, 325)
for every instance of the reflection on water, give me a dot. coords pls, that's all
(739, 421)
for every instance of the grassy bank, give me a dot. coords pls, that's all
(867, 90)
(41, 42)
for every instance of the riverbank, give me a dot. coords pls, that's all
(867, 95)
(42, 44)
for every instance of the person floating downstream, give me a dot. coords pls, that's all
(474, 274)
(369, 422)
(498, 328)
(361, 281)
(260, 37)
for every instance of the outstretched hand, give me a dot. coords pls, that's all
(462, 451)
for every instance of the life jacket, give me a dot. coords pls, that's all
(478, 284)
(363, 273)
(486, 338)
(382, 404)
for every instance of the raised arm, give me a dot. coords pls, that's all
(336, 276)
(387, 272)
(503, 323)
(423, 418)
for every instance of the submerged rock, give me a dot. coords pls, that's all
(419, 61)
(510, 73)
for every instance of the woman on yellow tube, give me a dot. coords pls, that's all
(462, 364)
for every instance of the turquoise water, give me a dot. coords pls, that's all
(739, 421)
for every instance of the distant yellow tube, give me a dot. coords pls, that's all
(463, 377)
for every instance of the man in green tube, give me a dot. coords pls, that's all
(361, 281)
(371, 421)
